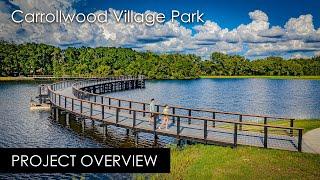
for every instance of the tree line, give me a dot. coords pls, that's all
(41, 59)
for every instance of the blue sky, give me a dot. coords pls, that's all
(252, 28)
(227, 13)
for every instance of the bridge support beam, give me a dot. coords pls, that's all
(53, 109)
(83, 124)
(136, 138)
(179, 143)
(155, 139)
(105, 130)
(68, 119)
(57, 114)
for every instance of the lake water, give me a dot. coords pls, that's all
(296, 99)
(20, 127)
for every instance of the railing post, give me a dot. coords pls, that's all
(109, 103)
(235, 135)
(101, 99)
(205, 130)
(299, 140)
(95, 98)
(117, 115)
(178, 126)
(213, 117)
(134, 119)
(65, 102)
(72, 104)
(240, 120)
(130, 106)
(144, 108)
(158, 108)
(173, 112)
(80, 107)
(265, 140)
(102, 111)
(291, 125)
(265, 120)
(189, 120)
(91, 109)
(59, 99)
(119, 103)
(155, 126)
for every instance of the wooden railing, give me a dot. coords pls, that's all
(79, 88)
(62, 101)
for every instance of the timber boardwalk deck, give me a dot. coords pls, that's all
(83, 99)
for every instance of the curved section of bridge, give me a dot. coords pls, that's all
(88, 99)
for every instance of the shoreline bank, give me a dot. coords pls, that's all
(263, 77)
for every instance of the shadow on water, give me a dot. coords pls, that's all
(114, 137)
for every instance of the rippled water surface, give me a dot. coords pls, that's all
(290, 98)
(20, 127)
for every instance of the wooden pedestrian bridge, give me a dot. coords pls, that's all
(88, 99)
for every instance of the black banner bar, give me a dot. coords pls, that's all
(85, 160)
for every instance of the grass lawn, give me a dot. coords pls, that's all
(307, 124)
(217, 162)
(19, 78)
(266, 77)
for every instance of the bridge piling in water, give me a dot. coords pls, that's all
(68, 119)
(57, 114)
(83, 124)
(105, 130)
(136, 138)
(52, 112)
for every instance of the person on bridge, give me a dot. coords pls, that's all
(165, 117)
(152, 109)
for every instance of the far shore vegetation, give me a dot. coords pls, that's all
(40, 59)
(216, 162)
(23, 78)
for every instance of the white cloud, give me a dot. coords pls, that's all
(256, 38)
(273, 32)
(258, 15)
(281, 48)
(300, 26)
